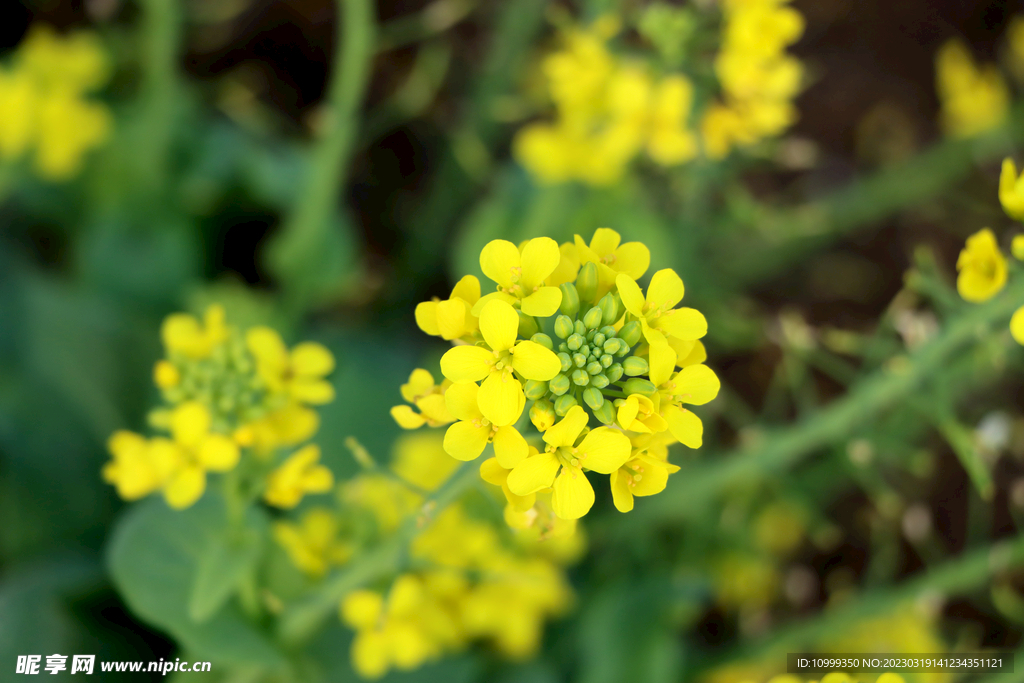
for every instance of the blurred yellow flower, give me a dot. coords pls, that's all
(421, 391)
(973, 99)
(298, 475)
(1011, 191)
(182, 333)
(313, 544)
(299, 373)
(981, 267)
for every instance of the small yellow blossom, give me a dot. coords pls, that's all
(166, 375)
(452, 318)
(501, 399)
(1011, 191)
(134, 470)
(612, 258)
(981, 267)
(421, 391)
(492, 472)
(182, 333)
(288, 425)
(562, 464)
(1017, 326)
(974, 100)
(467, 438)
(1017, 247)
(520, 276)
(420, 459)
(313, 544)
(298, 374)
(695, 385)
(644, 474)
(298, 475)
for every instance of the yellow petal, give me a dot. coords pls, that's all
(319, 479)
(632, 297)
(451, 318)
(1017, 325)
(633, 259)
(492, 472)
(662, 360)
(499, 324)
(697, 354)
(426, 318)
(371, 654)
(685, 426)
(434, 409)
(467, 289)
(510, 447)
(653, 479)
(696, 384)
(627, 411)
(568, 266)
(533, 361)
(533, 474)
(406, 417)
(420, 382)
(666, 289)
(565, 431)
(683, 323)
(501, 398)
(540, 257)
(604, 450)
(266, 344)
(1009, 197)
(465, 441)
(493, 296)
(190, 422)
(498, 259)
(543, 303)
(218, 453)
(312, 360)
(621, 495)
(584, 252)
(467, 363)
(361, 609)
(573, 495)
(461, 399)
(605, 241)
(317, 392)
(185, 487)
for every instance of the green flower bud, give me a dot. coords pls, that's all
(635, 366)
(575, 341)
(544, 340)
(590, 335)
(606, 360)
(542, 414)
(570, 305)
(559, 384)
(593, 397)
(630, 333)
(527, 325)
(579, 359)
(614, 373)
(563, 326)
(580, 328)
(592, 319)
(608, 331)
(593, 367)
(612, 345)
(598, 339)
(614, 310)
(605, 413)
(564, 403)
(600, 381)
(635, 385)
(565, 360)
(535, 389)
(563, 347)
(581, 379)
(586, 282)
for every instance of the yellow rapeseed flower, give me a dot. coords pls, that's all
(467, 438)
(611, 257)
(428, 397)
(645, 473)
(184, 334)
(1011, 191)
(974, 99)
(520, 276)
(313, 544)
(981, 267)
(501, 399)
(299, 373)
(562, 463)
(298, 475)
(134, 470)
(452, 318)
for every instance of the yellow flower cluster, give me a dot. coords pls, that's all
(973, 99)
(758, 78)
(44, 103)
(569, 331)
(476, 582)
(227, 391)
(607, 111)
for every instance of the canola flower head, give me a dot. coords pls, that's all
(300, 474)
(45, 107)
(981, 268)
(314, 544)
(609, 362)
(974, 100)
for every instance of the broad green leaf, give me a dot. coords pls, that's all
(153, 557)
(222, 566)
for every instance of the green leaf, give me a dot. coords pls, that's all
(153, 558)
(222, 567)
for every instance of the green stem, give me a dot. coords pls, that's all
(161, 36)
(310, 219)
(780, 449)
(955, 577)
(302, 620)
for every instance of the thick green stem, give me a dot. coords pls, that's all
(161, 36)
(779, 450)
(303, 619)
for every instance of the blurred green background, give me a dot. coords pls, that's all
(867, 448)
